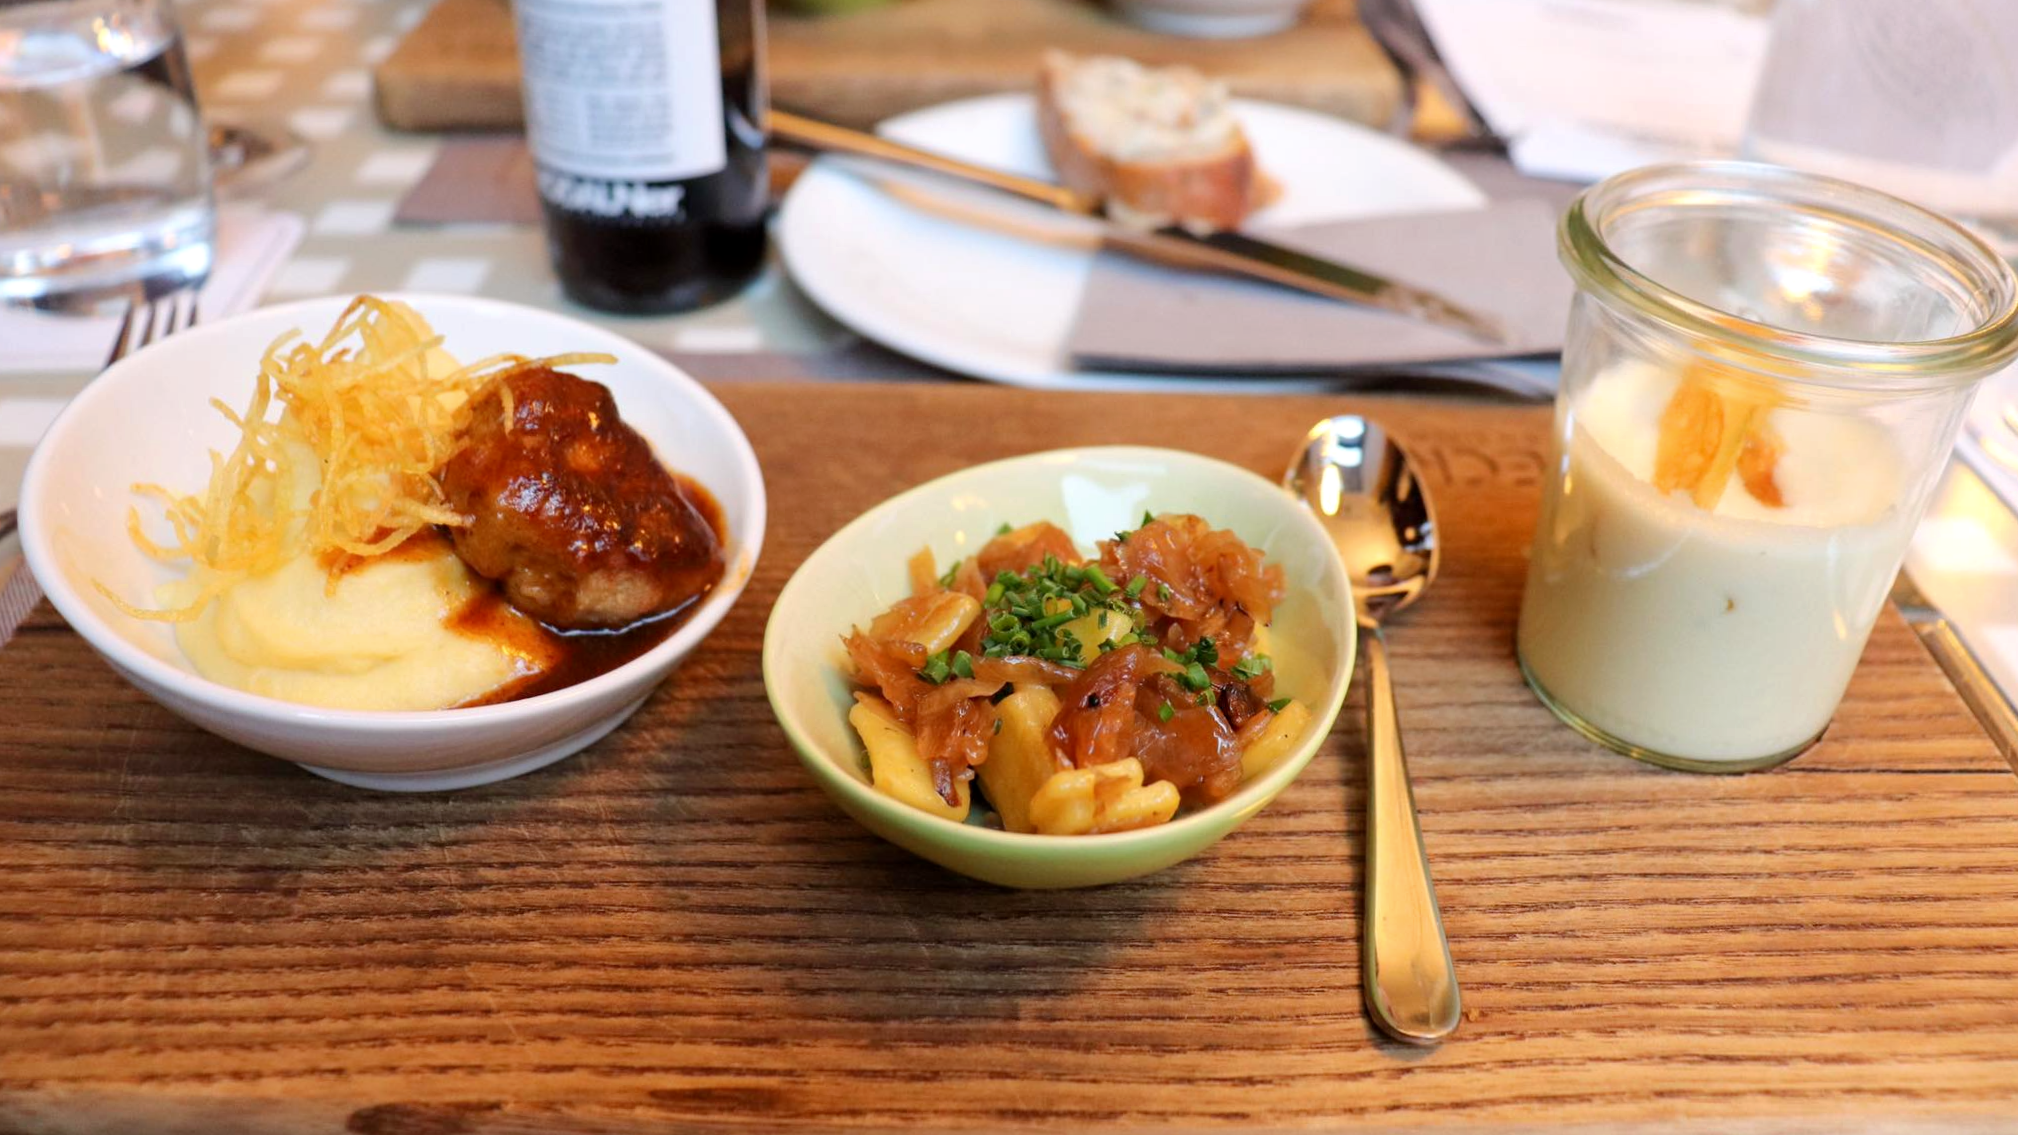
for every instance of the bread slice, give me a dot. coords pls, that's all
(1159, 145)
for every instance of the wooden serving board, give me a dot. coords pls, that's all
(458, 69)
(676, 930)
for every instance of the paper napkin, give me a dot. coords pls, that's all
(252, 244)
(1499, 260)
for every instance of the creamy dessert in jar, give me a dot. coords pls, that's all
(1704, 580)
(1762, 378)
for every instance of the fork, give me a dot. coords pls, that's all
(158, 318)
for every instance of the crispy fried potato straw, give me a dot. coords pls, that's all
(363, 402)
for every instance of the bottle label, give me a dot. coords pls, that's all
(617, 93)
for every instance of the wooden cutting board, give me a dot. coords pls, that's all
(458, 69)
(676, 930)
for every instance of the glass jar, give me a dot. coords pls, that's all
(1761, 383)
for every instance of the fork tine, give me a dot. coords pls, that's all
(181, 312)
(150, 314)
(120, 347)
(147, 321)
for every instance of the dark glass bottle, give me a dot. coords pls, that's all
(646, 121)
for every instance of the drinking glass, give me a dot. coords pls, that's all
(104, 162)
(1762, 381)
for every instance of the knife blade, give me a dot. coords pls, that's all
(1225, 252)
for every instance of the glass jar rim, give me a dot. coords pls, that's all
(1819, 359)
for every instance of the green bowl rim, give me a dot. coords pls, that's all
(1250, 798)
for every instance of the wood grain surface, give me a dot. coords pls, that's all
(458, 69)
(676, 931)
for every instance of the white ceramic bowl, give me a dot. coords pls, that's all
(148, 419)
(1091, 493)
(1213, 19)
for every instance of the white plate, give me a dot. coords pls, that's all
(988, 286)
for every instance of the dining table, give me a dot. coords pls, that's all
(676, 931)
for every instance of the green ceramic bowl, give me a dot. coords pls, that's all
(1091, 493)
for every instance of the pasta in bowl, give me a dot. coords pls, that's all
(1071, 701)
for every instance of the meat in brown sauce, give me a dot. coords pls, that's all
(570, 510)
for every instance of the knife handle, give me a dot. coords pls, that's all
(828, 138)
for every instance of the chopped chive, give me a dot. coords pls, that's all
(1003, 623)
(1196, 677)
(1163, 592)
(1008, 579)
(963, 664)
(1099, 580)
(1205, 697)
(1049, 621)
(1129, 639)
(1135, 586)
(1165, 713)
(994, 595)
(946, 580)
(1251, 667)
(1279, 704)
(1075, 576)
(998, 725)
(1101, 621)
(1206, 651)
(936, 669)
(1148, 518)
(1004, 531)
(1172, 655)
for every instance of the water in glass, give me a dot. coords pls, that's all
(104, 165)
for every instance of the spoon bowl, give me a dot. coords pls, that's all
(1366, 495)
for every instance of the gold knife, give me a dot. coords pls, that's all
(1230, 252)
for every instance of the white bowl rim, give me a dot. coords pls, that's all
(1265, 787)
(187, 684)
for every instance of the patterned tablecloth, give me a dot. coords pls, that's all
(306, 64)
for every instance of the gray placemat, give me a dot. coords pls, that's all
(1499, 260)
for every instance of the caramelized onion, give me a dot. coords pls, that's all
(1199, 577)
(1024, 671)
(959, 689)
(1025, 548)
(892, 667)
(1097, 720)
(953, 740)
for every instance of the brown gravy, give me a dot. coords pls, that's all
(578, 656)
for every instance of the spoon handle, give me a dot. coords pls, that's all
(1411, 987)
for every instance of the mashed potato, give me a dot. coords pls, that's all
(384, 639)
